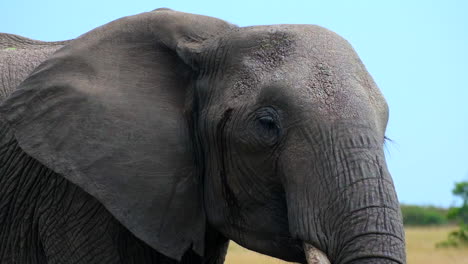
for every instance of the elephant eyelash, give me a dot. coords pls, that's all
(387, 139)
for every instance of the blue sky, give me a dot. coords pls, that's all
(417, 52)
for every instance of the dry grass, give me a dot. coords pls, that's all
(240, 255)
(420, 249)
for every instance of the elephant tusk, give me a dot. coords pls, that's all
(314, 255)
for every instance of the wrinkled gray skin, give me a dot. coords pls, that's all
(157, 137)
(18, 58)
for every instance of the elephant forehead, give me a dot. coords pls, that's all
(299, 51)
(310, 62)
(271, 45)
(262, 47)
(340, 90)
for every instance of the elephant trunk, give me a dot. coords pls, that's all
(368, 226)
(342, 203)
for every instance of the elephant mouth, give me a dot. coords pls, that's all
(315, 255)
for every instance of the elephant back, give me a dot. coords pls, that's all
(19, 56)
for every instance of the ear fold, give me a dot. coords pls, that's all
(108, 113)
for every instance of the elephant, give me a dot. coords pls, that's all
(18, 58)
(160, 137)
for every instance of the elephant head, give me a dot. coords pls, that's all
(273, 135)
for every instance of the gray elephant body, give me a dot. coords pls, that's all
(47, 219)
(18, 58)
(158, 137)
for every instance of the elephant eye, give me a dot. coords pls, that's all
(267, 122)
(267, 126)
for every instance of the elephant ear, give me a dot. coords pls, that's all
(108, 112)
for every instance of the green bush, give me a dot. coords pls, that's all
(459, 237)
(414, 215)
